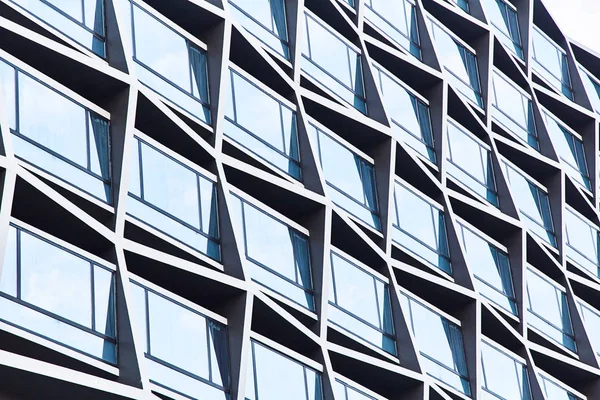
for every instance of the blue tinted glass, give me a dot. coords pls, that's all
(262, 124)
(397, 20)
(344, 391)
(463, 4)
(592, 87)
(591, 319)
(550, 62)
(582, 240)
(39, 282)
(503, 18)
(420, 228)
(174, 199)
(335, 64)
(503, 376)
(556, 392)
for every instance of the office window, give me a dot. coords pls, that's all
(491, 268)
(344, 391)
(397, 20)
(513, 110)
(265, 20)
(272, 375)
(57, 134)
(504, 377)
(591, 321)
(553, 390)
(460, 62)
(569, 147)
(263, 124)
(503, 18)
(440, 343)
(419, 228)
(582, 240)
(360, 303)
(548, 310)
(278, 255)
(168, 62)
(80, 20)
(173, 198)
(533, 204)
(350, 178)
(334, 62)
(592, 87)
(185, 351)
(476, 171)
(550, 62)
(58, 295)
(409, 115)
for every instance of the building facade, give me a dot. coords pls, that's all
(297, 200)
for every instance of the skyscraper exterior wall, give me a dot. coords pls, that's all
(297, 200)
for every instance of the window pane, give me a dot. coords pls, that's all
(503, 376)
(504, 20)
(591, 320)
(582, 239)
(550, 62)
(556, 392)
(592, 87)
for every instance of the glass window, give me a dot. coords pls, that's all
(440, 342)
(59, 295)
(262, 124)
(409, 115)
(533, 205)
(460, 62)
(174, 199)
(360, 304)
(185, 351)
(591, 321)
(264, 19)
(278, 255)
(81, 20)
(504, 377)
(550, 62)
(351, 178)
(555, 391)
(419, 228)
(582, 240)
(167, 62)
(513, 110)
(569, 147)
(503, 17)
(271, 374)
(463, 4)
(56, 134)
(397, 19)
(592, 87)
(548, 310)
(491, 268)
(344, 391)
(334, 63)
(476, 173)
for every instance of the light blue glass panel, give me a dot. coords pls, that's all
(8, 86)
(503, 18)
(550, 62)
(350, 178)
(591, 320)
(331, 61)
(582, 240)
(262, 124)
(592, 87)
(548, 310)
(513, 110)
(556, 392)
(475, 171)
(266, 20)
(398, 20)
(463, 4)
(344, 391)
(420, 229)
(504, 377)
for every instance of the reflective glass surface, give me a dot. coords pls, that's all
(271, 373)
(185, 351)
(592, 87)
(410, 117)
(582, 240)
(550, 62)
(56, 134)
(512, 110)
(463, 4)
(350, 178)
(262, 124)
(460, 63)
(491, 269)
(174, 199)
(360, 304)
(503, 17)
(266, 20)
(591, 320)
(397, 19)
(81, 20)
(475, 171)
(533, 205)
(335, 64)
(548, 310)
(503, 376)
(278, 255)
(440, 342)
(344, 391)
(554, 391)
(419, 228)
(59, 295)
